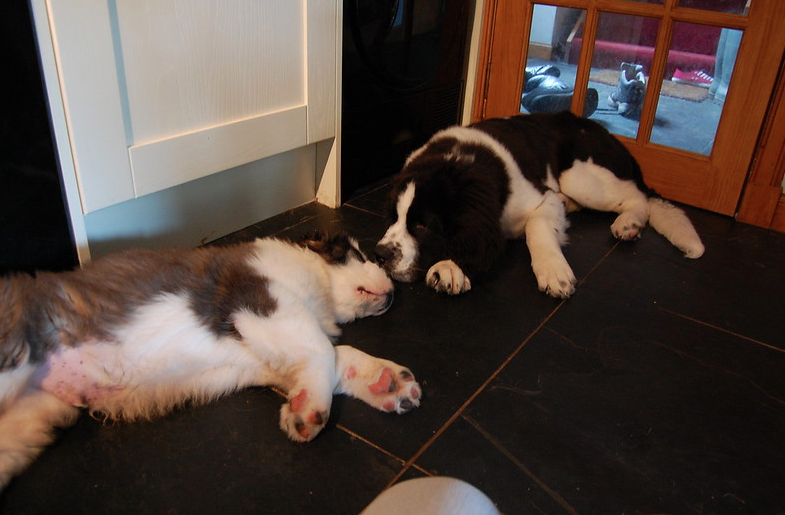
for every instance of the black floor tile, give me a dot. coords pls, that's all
(736, 285)
(656, 388)
(454, 344)
(288, 221)
(373, 199)
(225, 457)
(638, 411)
(469, 452)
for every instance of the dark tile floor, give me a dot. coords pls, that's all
(658, 388)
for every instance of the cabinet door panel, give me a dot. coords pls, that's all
(85, 56)
(161, 92)
(161, 164)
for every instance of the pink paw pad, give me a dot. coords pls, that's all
(296, 403)
(315, 418)
(302, 430)
(385, 384)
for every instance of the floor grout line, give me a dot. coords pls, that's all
(381, 449)
(518, 463)
(721, 329)
(369, 443)
(363, 210)
(471, 398)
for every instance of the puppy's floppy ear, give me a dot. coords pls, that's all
(314, 241)
(332, 249)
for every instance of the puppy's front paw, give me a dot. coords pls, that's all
(448, 277)
(555, 277)
(301, 418)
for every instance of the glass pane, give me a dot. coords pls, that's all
(700, 65)
(724, 6)
(623, 51)
(552, 60)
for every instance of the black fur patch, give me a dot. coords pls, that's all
(226, 287)
(457, 205)
(335, 249)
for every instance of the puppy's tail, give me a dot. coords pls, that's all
(27, 426)
(672, 222)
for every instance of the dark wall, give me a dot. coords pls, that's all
(404, 65)
(34, 229)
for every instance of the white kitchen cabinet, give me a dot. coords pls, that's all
(179, 120)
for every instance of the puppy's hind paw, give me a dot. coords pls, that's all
(627, 227)
(301, 419)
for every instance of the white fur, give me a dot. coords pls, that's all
(164, 355)
(545, 234)
(671, 222)
(13, 382)
(356, 370)
(598, 188)
(400, 241)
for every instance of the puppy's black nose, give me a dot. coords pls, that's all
(383, 254)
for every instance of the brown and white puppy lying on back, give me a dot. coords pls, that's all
(138, 333)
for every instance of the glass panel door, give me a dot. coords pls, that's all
(694, 87)
(668, 77)
(549, 76)
(621, 64)
(691, 97)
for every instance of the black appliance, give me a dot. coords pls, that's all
(404, 65)
(34, 229)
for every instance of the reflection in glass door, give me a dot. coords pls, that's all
(699, 65)
(693, 92)
(549, 77)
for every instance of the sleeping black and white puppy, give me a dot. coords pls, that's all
(468, 189)
(135, 334)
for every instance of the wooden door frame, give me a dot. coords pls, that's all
(763, 202)
(508, 62)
